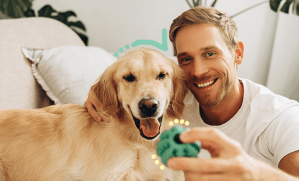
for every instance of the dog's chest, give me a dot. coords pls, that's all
(125, 163)
(134, 164)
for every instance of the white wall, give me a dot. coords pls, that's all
(256, 30)
(116, 23)
(283, 76)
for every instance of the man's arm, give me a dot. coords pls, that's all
(229, 161)
(290, 163)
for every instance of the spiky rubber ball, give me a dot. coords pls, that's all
(170, 145)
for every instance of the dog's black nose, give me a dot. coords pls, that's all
(148, 106)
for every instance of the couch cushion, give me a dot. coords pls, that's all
(66, 73)
(18, 87)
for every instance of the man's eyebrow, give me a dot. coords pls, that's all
(182, 54)
(202, 49)
(208, 48)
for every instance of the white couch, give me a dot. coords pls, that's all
(18, 87)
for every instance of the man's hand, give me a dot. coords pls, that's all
(229, 161)
(92, 106)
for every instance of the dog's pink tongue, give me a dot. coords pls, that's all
(149, 127)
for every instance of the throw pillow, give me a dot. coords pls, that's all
(66, 73)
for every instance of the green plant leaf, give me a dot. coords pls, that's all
(46, 11)
(214, 3)
(15, 8)
(285, 8)
(77, 24)
(29, 13)
(194, 3)
(83, 37)
(296, 7)
(63, 16)
(274, 4)
(188, 4)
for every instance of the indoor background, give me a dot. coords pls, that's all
(271, 39)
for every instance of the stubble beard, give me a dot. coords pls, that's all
(207, 100)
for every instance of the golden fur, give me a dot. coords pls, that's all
(63, 142)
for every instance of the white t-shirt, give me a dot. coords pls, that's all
(266, 125)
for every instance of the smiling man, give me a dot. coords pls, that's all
(210, 67)
(234, 117)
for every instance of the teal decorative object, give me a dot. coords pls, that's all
(171, 146)
(162, 46)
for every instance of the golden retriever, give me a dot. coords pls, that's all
(137, 93)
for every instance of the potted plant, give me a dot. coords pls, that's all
(23, 8)
(274, 5)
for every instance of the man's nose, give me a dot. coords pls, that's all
(199, 67)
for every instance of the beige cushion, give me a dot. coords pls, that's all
(18, 87)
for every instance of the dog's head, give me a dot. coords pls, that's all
(142, 87)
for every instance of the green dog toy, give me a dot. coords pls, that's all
(170, 145)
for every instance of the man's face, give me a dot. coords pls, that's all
(207, 62)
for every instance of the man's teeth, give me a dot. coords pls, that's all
(205, 84)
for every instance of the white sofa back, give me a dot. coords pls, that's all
(18, 87)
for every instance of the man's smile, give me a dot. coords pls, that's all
(206, 84)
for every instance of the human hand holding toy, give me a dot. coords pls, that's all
(170, 145)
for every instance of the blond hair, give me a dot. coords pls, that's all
(206, 15)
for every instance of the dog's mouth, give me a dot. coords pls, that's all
(149, 127)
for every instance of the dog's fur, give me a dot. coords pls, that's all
(63, 142)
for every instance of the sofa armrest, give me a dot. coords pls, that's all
(18, 87)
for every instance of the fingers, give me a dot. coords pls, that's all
(95, 103)
(229, 161)
(213, 140)
(192, 176)
(91, 108)
(213, 169)
(202, 166)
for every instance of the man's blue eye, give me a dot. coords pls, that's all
(187, 59)
(210, 54)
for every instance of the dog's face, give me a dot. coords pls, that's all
(147, 85)
(144, 84)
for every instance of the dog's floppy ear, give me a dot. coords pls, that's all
(176, 106)
(104, 91)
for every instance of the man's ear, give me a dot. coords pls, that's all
(239, 52)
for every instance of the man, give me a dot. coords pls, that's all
(229, 114)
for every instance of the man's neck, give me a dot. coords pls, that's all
(226, 109)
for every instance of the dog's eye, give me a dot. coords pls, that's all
(129, 78)
(162, 75)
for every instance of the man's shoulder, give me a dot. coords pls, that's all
(264, 99)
